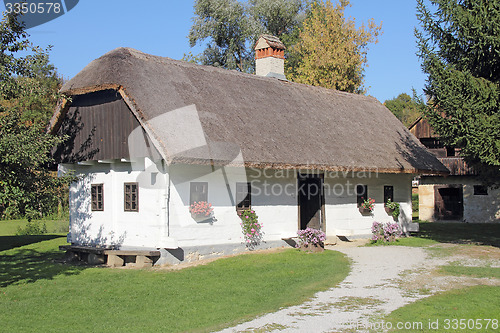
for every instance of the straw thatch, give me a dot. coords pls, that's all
(273, 123)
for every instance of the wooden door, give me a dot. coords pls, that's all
(448, 203)
(310, 200)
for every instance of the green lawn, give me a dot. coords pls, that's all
(457, 269)
(474, 305)
(38, 294)
(54, 226)
(432, 233)
(461, 233)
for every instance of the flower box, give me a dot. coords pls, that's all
(392, 208)
(364, 210)
(201, 211)
(313, 247)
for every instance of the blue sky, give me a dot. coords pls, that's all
(95, 27)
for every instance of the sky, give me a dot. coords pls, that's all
(160, 27)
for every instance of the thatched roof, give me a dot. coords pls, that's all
(273, 123)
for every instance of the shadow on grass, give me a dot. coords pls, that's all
(34, 262)
(10, 242)
(461, 233)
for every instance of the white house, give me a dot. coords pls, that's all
(151, 135)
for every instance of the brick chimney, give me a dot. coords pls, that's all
(270, 57)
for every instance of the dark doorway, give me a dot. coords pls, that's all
(310, 200)
(448, 202)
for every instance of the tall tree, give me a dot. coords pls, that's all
(230, 28)
(331, 50)
(27, 92)
(459, 46)
(406, 108)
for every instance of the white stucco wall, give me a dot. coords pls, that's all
(264, 66)
(113, 225)
(342, 214)
(274, 198)
(276, 210)
(477, 208)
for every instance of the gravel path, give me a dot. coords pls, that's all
(371, 290)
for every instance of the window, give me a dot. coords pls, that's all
(388, 193)
(450, 151)
(243, 196)
(198, 192)
(480, 190)
(361, 193)
(97, 196)
(131, 195)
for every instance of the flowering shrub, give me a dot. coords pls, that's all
(201, 208)
(251, 228)
(368, 204)
(311, 236)
(385, 232)
(394, 206)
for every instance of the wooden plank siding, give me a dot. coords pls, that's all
(457, 166)
(422, 129)
(99, 125)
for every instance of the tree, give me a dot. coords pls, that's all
(459, 46)
(230, 28)
(27, 93)
(331, 50)
(406, 108)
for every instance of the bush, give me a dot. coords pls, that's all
(311, 236)
(32, 228)
(385, 232)
(251, 228)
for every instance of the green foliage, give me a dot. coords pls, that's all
(32, 228)
(459, 46)
(27, 187)
(414, 203)
(28, 92)
(394, 206)
(406, 108)
(230, 29)
(332, 51)
(202, 298)
(251, 228)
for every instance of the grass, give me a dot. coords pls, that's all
(461, 233)
(480, 302)
(432, 233)
(479, 272)
(54, 226)
(473, 303)
(407, 241)
(8, 228)
(38, 294)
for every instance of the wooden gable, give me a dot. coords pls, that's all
(99, 126)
